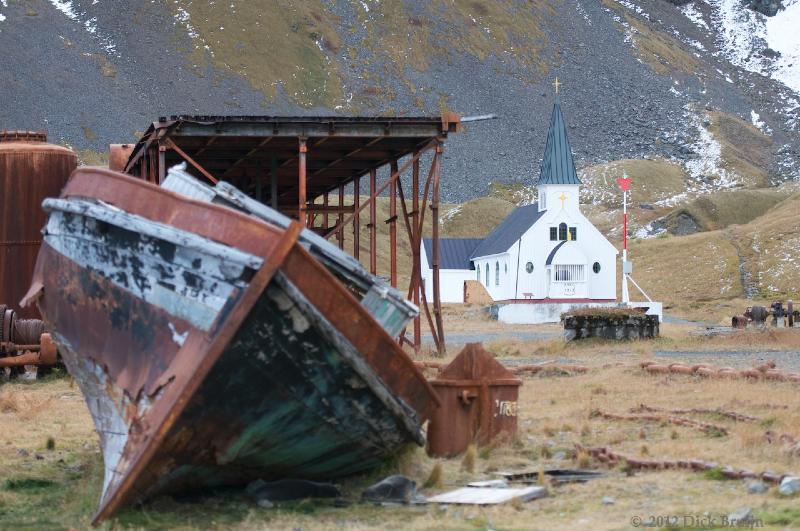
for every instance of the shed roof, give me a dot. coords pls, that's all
(558, 167)
(454, 253)
(243, 149)
(509, 231)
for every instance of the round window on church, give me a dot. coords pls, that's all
(529, 267)
(596, 267)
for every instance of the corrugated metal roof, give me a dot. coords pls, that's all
(509, 231)
(454, 253)
(557, 164)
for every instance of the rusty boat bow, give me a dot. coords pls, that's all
(214, 348)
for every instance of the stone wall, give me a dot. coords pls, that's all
(611, 326)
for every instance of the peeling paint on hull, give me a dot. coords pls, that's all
(291, 377)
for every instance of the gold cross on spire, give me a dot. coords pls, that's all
(563, 198)
(557, 84)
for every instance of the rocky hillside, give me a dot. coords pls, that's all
(709, 86)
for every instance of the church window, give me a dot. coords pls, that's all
(596, 267)
(505, 268)
(497, 273)
(486, 276)
(562, 231)
(569, 273)
(553, 234)
(529, 267)
(573, 233)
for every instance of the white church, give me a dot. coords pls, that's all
(544, 258)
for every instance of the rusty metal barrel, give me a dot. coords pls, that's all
(30, 170)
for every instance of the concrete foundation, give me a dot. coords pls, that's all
(522, 313)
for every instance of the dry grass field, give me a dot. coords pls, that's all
(55, 484)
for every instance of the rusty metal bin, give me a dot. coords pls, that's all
(479, 403)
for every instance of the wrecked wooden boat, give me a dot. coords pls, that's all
(213, 348)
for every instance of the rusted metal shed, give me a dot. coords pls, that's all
(30, 170)
(302, 167)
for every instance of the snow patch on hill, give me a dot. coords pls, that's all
(88, 22)
(744, 35)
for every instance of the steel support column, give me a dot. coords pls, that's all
(393, 227)
(325, 210)
(273, 181)
(437, 302)
(357, 217)
(373, 228)
(162, 162)
(415, 252)
(340, 234)
(301, 183)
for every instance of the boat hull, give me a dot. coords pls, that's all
(291, 378)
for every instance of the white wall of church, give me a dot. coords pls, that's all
(451, 281)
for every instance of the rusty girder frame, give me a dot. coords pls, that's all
(152, 168)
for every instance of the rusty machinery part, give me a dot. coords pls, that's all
(28, 331)
(613, 459)
(733, 415)
(762, 372)
(711, 429)
(9, 318)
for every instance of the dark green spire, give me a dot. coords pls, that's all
(557, 164)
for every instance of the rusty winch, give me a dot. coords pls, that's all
(24, 342)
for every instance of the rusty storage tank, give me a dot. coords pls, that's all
(30, 170)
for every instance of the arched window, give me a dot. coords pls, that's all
(505, 269)
(562, 231)
(596, 267)
(486, 276)
(497, 273)
(573, 233)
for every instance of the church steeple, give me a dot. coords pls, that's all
(557, 164)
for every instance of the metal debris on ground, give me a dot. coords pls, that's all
(710, 429)
(733, 415)
(555, 475)
(614, 459)
(489, 496)
(215, 347)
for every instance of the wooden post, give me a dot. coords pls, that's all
(273, 181)
(340, 234)
(393, 227)
(373, 228)
(437, 303)
(357, 217)
(301, 183)
(415, 252)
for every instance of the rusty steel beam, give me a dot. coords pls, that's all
(171, 145)
(356, 217)
(340, 234)
(414, 284)
(301, 182)
(273, 182)
(403, 168)
(325, 210)
(393, 228)
(437, 301)
(373, 229)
